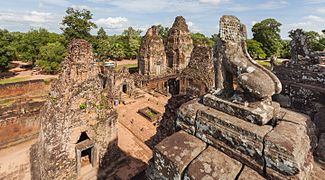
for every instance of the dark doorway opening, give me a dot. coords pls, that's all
(86, 157)
(124, 88)
(83, 136)
(173, 86)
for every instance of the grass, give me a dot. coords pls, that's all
(127, 66)
(13, 80)
(265, 63)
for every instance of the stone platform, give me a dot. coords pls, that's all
(236, 148)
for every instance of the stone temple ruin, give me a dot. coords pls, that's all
(237, 132)
(78, 125)
(152, 57)
(160, 65)
(303, 82)
(223, 119)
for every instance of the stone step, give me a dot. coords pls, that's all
(259, 114)
(172, 155)
(280, 151)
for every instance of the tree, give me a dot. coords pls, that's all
(132, 40)
(77, 24)
(285, 50)
(51, 56)
(7, 51)
(101, 34)
(199, 38)
(267, 32)
(163, 32)
(255, 50)
(314, 41)
(28, 48)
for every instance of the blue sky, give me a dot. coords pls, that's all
(202, 15)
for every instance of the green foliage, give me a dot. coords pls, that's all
(29, 44)
(255, 50)
(285, 50)
(132, 42)
(101, 33)
(163, 32)
(199, 38)
(83, 106)
(77, 24)
(7, 50)
(314, 41)
(267, 32)
(51, 56)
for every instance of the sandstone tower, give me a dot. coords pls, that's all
(78, 125)
(179, 45)
(152, 57)
(197, 78)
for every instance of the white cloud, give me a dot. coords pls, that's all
(80, 7)
(28, 16)
(321, 10)
(192, 26)
(112, 22)
(143, 6)
(268, 5)
(314, 19)
(212, 2)
(307, 23)
(64, 3)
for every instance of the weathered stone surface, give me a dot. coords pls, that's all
(152, 57)
(233, 136)
(301, 119)
(232, 60)
(320, 150)
(76, 110)
(179, 45)
(259, 114)
(303, 78)
(198, 77)
(319, 120)
(288, 149)
(186, 115)
(213, 164)
(249, 174)
(174, 154)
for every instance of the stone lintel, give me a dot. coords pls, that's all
(175, 153)
(256, 115)
(213, 164)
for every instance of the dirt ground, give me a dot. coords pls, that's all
(14, 161)
(135, 130)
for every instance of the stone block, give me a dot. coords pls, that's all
(213, 164)
(175, 153)
(256, 115)
(186, 115)
(287, 150)
(249, 174)
(237, 138)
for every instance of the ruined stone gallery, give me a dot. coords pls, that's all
(189, 111)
